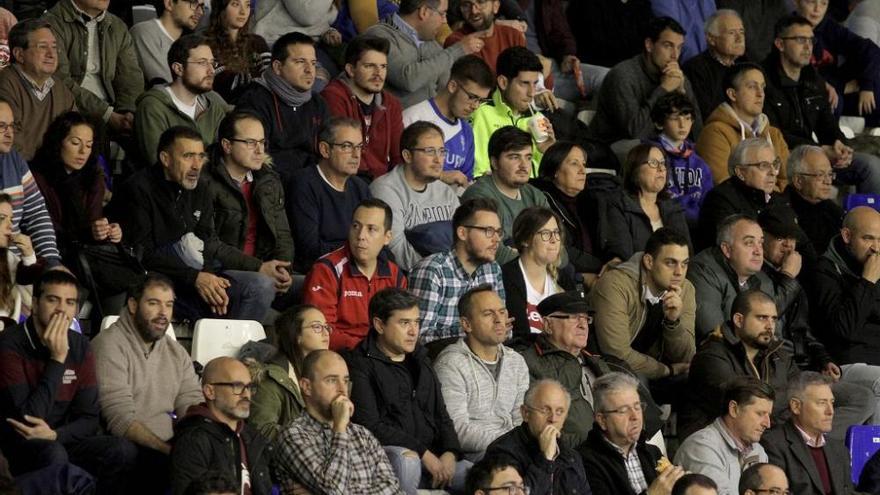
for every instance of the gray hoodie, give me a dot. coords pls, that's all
(481, 407)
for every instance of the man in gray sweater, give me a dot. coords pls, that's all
(422, 205)
(153, 38)
(144, 379)
(417, 64)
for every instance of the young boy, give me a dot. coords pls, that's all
(688, 175)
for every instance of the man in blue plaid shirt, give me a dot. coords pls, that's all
(440, 279)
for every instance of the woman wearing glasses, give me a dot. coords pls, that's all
(278, 401)
(643, 207)
(535, 274)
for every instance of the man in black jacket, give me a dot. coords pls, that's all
(534, 449)
(214, 436)
(796, 102)
(167, 213)
(809, 192)
(616, 456)
(397, 397)
(726, 38)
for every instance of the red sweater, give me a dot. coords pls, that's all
(503, 37)
(382, 140)
(338, 288)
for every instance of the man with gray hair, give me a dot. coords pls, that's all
(616, 456)
(802, 438)
(753, 167)
(726, 40)
(533, 447)
(809, 193)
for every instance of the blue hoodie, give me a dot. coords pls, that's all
(689, 178)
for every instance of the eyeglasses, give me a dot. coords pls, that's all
(320, 327)
(511, 489)
(237, 387)
(251, 144)
(655, 164)
(801, 40)
(205, 63)
(195, 4)
(348, 147)
(772, 491)
(11, 126)
(579, 317)
(627, 410)
(765, 166)
(547, 234)
(821, 176)
(441, 13)
(547, 411)
(473, 98)
(489, 231)
(432, 152)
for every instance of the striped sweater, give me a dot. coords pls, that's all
(29, 214)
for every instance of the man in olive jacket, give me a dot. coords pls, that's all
(107, 88)
(248, 201)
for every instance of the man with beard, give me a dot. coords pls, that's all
(145, 379)
(153, 38)
(215, 437)
(359, 93)
(188, 100)
(439, 280)
(479, 17)
(322, 449)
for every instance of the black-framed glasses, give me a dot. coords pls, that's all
(821, 176)
(205, 63)
(579, 317)
(773, 491)
(473, 98)
(765, 166)
(547, 234)
(348, 146)
(10, 126)
(511, 489)
(251, 144)
(319, 327)
(195, 4)
(237, 387)
(627, 410)
(432, 152)
(489, 231)
(441, 13)
(801, 40)
(655, 164)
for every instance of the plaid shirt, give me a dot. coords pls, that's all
(438, 281)
(349, 463)
(633, 467)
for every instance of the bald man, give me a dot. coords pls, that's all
(215, 437)
(845, 299)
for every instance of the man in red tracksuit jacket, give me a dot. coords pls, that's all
(358, 93)
(342, 282)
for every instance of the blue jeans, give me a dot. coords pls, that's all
(864, 173)
(565, 86)
(250, 295)
(413, 476)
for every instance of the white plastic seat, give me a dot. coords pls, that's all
(111, 319)
(214, 338)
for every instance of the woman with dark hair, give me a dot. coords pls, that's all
(72, 183)
(241, 55)
(278, 401)
(563, 178)
(644, 206)
(17, 273)
(534, 275)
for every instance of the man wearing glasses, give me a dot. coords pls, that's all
(322, 197)
(534, 448)
(422, 204)
(213, 436)
(762, 478)
(189, 100)
(616, 456)
(511, 162)
(153, 38)
(495, 475)
(810, 179)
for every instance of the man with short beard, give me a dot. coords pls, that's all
(479, 17)
(214, 435)
(145, 379)
(188, 100)
(153, 38)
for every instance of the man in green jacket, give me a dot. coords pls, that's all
(96, 60)
(188, 101)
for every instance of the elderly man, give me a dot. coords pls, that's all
(726, 39)
(730, 444)
(203, 438)
(762, 478)
(616, 456)
(809, 192)
(534, 449)
(803, 438)
(753, 168)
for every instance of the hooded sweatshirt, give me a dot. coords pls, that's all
(724, 130)
(689, 178)
(483, 403)
(622, 313)
(381, 126)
